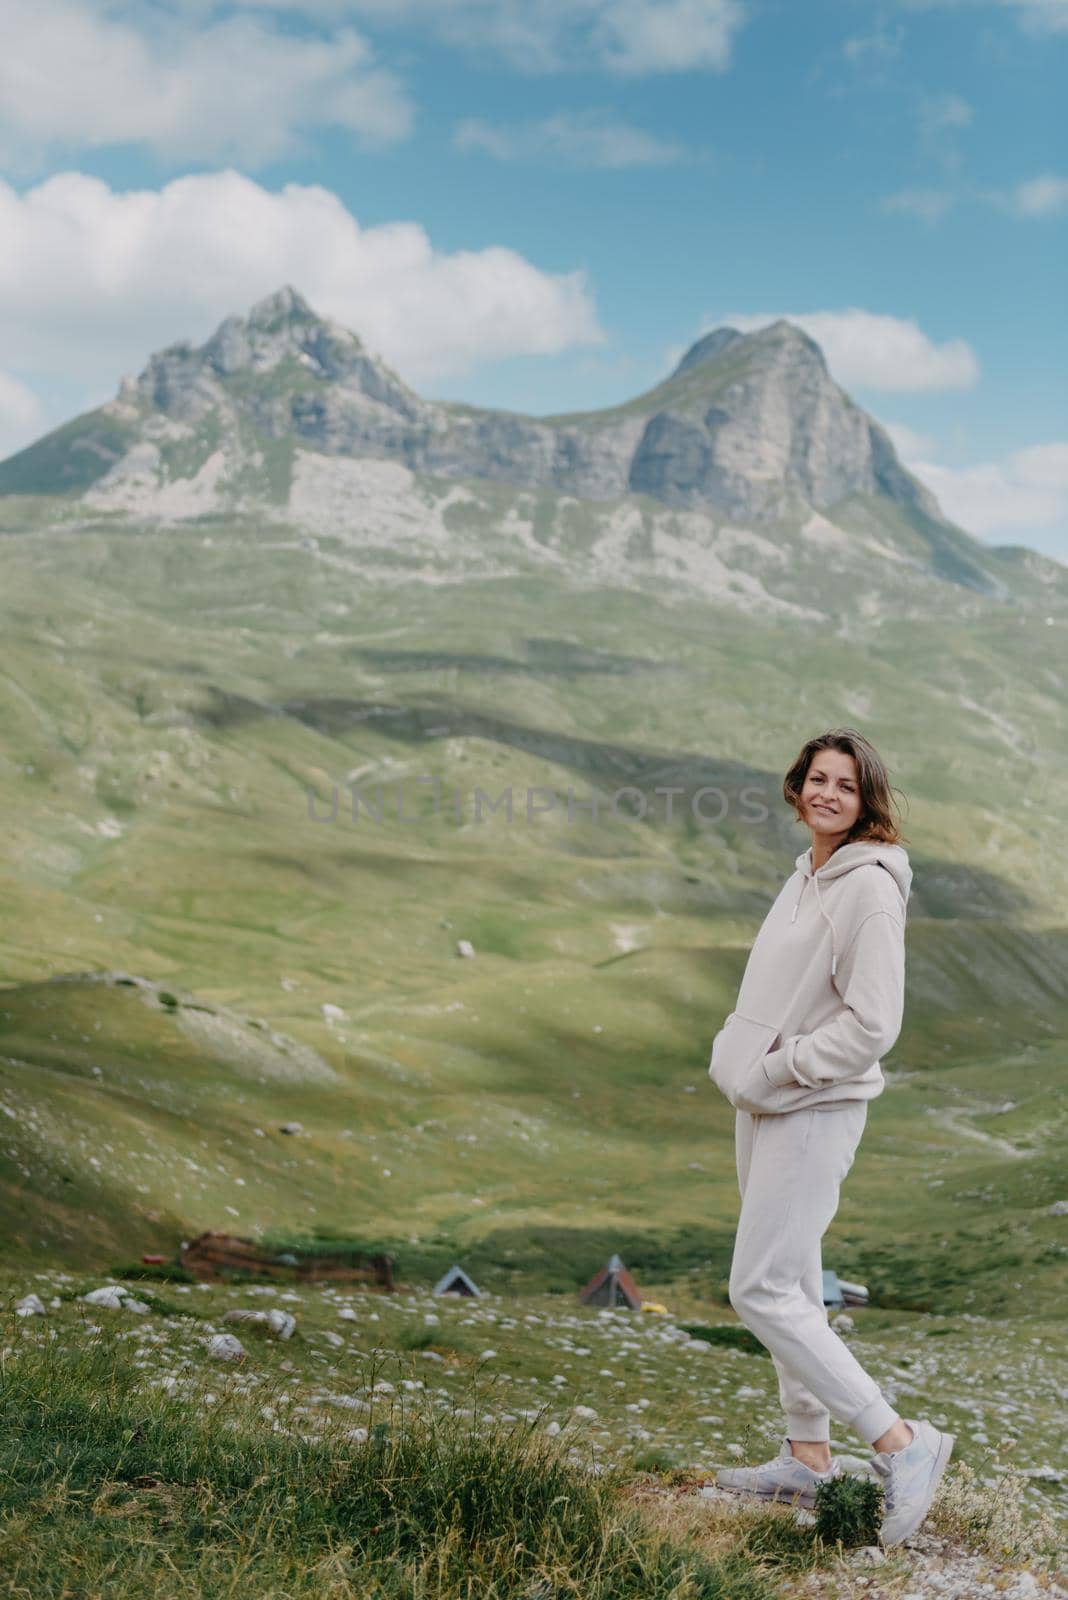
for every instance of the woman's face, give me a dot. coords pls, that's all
(830, 794)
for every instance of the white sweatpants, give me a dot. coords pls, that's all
(790, 1170)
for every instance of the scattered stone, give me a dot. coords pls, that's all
(332, 1013)
(1059, 1208)
(30, 1306)
(843, 1323)
(347, 1314)
(584, 1413)
(115, 1297)
(464, 947)
(225, 1347)
(870, 1555)
(292, 1127)
(279, 1323)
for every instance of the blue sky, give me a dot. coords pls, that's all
(538, 204)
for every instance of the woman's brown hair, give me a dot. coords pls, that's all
(876, 822)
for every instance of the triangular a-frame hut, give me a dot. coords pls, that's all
(456, 1281)
(612, 1286)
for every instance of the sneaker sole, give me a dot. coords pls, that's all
(945, 1450)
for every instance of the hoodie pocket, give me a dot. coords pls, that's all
(737, 1048)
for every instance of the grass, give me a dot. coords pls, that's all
(103, 1482)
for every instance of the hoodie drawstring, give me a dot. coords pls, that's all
(826, 915)
(823, 913)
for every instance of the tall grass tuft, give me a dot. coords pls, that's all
(109, 1485)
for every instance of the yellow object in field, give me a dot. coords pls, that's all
(656, 1308)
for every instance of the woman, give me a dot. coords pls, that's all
(821, 999)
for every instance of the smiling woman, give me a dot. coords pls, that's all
(822, 997)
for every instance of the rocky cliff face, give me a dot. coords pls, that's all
(746, 425)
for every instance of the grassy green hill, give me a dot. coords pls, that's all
(170, 695)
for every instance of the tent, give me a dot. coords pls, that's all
(456, 1281)
(612, 1286)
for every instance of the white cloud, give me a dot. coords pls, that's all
(1045, 196)
(581, 139)
(1040, 16)
(868, 350)
(1036, 16)
(74, 75)
(930, 205)
(21, 414)
(880, 46)
(1024, 494)
(631, 37)
(907, 442)
(940, 112)
(92, 279)
(668, 35)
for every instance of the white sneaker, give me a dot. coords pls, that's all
(910, 1478)
(785, 1478)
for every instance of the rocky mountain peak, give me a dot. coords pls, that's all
(283, 304)
(707, 348)
(269, 364)
(751, 428)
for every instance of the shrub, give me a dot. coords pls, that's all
(849, 1511)
(990, 1516)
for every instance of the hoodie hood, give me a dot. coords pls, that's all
(893, 857)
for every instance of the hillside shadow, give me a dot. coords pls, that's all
(558, 658)
(746, 798)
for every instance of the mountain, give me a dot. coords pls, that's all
(287, 414)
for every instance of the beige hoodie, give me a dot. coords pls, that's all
(823, 992)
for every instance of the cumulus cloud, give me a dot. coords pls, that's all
(1044, 196)
(869, 350)
(1024, 496)
(579, 139)
(930, 205)
(631, 37)
(93, 279)
(907, 442)
(77, 75)
(21, 414)
(1036, 16)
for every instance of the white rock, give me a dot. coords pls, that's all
(110, 1294)
(292, 1127)
(333, 1013)
(332, 1338)
(843, 1323)
(138, 1306)
(30, 1306)
(1059, 1208)
(464, 947)
(586, 1413)
(488, 1355)
(347, 1314)
(553, 1428)
(224, 1347)
(277, 1322)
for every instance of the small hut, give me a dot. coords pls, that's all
(612, 1286)
(456, 1281)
